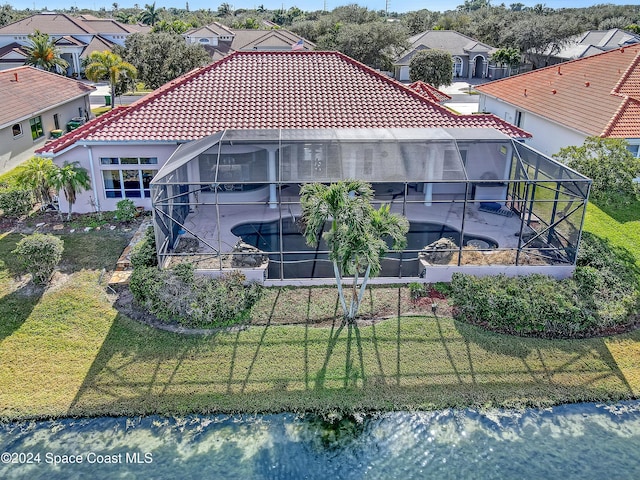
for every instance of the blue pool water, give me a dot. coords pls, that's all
(582, 441)
(266, 237)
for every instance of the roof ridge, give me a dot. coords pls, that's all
(568, 62)
(614, 119)
(83, 130)
(626, 74)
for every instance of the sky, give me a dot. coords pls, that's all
(306, 5)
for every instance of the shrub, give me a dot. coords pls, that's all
(602, 295)
(417, 290)
(144, 252)
(125, 211)
(15, 202)
(39, 254)
(181, 296)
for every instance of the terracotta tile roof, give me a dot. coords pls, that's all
(34, 92)
(53, 24)
(429, 91)
(597, 95)
(259, 90)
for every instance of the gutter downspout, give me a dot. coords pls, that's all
(93, 178)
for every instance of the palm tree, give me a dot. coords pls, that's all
(150, 16)
(35, 174)
(356, 239)
(72, 179)
(108, 65)
(42, 53)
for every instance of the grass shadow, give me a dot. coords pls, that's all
(16, 307)
(620, 212)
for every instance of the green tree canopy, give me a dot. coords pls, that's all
(375, 44)
(72, 179)
(161, 57)
(108, 65)
(35, 175)
(358, 232)
(151, 15)
(432, 66)
(609, 163)
(42, 53)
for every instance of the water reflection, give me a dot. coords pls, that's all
(575, 441)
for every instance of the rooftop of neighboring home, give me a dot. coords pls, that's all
(27, 91)
(265, 90)
(233, 40)
(63, 24)
(597, 95)
(429, 91)
(593, 42)
(453, 42)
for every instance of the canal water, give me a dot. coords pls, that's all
(582, 441)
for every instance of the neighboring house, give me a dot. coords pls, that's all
(585, 45)
(75, 37)
(219, 155)
(33, 104)
(561, 105)
(470, 57)
(220, 40)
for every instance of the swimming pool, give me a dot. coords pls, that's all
(298, 260)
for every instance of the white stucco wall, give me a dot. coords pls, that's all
(548, 136)
(11, 146)
(86, 201)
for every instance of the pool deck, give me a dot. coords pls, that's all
(215, 232)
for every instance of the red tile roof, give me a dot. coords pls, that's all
(35, 91)
(429, 91)
(597, 95)
(260, 90)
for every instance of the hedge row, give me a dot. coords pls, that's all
(602, 296)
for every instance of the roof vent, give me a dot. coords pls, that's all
(553, 91)
(15, 74)
(559, 72)
(525, 92)
(586, 84)
(622, 50)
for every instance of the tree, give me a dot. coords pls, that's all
(609, 163)
(108, 65)
(507, 57)
(150, 15)
(42, 53)
(35, 174)
(225, 10)
(161, 57)
(356, 238)
(375, 44)
(72, 179)
(434, 67)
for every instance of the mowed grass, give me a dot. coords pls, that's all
(621, 225)
(66, 351)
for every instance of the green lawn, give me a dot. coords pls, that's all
(66, 351)
(621, 226)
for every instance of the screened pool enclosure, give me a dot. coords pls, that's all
(477, 201)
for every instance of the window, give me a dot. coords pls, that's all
(36, 128)
(16, 130)
(56, 121)
(128, 182)
(635, 150)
